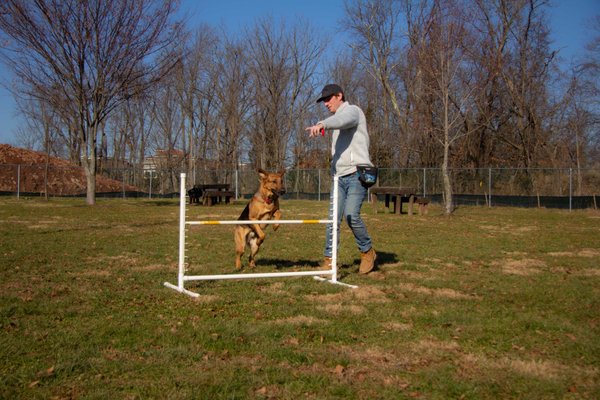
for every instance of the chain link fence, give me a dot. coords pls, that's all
(533, 187)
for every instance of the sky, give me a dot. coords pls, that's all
(569, 21)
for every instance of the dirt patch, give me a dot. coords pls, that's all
(63, 178)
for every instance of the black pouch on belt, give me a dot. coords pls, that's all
(367, 175)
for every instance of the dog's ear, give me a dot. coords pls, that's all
(282, 172)
(262, 173)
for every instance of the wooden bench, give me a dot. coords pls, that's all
(395, 195)
(210, 193)
(212, 197)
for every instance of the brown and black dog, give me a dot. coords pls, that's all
(264, 205)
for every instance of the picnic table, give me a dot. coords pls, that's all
(395, 195)
(211, 193)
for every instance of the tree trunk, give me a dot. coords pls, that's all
(448, 206)
(89, 164)
(90, 175)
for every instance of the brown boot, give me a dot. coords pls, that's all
(326, 263)
(367, 261)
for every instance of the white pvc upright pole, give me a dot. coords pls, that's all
(182, 203)
(181, 266)
(334, 227)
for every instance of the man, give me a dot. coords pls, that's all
(350, 147)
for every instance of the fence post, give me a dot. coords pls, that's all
(490, 188)
(570, 189)
(319, 188)
(424, 182)
(18, 181)
(236, 184)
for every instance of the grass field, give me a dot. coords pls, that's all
(485, 304)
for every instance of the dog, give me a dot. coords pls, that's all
(194, 194)
(264, 205)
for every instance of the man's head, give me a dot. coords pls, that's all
(333, 96)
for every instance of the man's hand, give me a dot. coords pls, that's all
(316, 130)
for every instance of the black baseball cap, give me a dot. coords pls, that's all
(329, 90)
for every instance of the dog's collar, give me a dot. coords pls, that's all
(267, 200)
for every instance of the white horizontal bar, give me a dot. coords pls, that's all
(255, 275)
(271, 221)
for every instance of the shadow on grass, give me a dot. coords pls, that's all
(382, 259)
(161, 203)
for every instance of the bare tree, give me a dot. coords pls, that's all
(375, 25)
(525, 72)
(447, 83)
(283, 61)
(232, 89)
(84, 58)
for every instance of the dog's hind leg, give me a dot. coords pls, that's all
(240, 247)
(254, 243)
(276, 215)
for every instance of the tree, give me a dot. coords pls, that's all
(447, 83)
(375, 25)
(282, 63)
(86, 57)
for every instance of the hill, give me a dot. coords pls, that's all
(64, 178)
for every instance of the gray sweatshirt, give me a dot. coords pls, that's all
(350, 145)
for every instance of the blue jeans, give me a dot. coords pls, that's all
(351, 194)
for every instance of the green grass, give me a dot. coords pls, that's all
(485, 304)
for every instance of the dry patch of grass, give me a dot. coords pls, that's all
(442, 292)
(540, 369)
(523, 267)
(207, 298)
(118, 262)
(509, 229)
(587, 253)
(300, 320)
(340, 309)
(397, 326)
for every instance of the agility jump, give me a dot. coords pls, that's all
(182, 277)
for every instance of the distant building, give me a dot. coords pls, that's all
(164, 159)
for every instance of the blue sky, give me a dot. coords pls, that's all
(568, 18)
